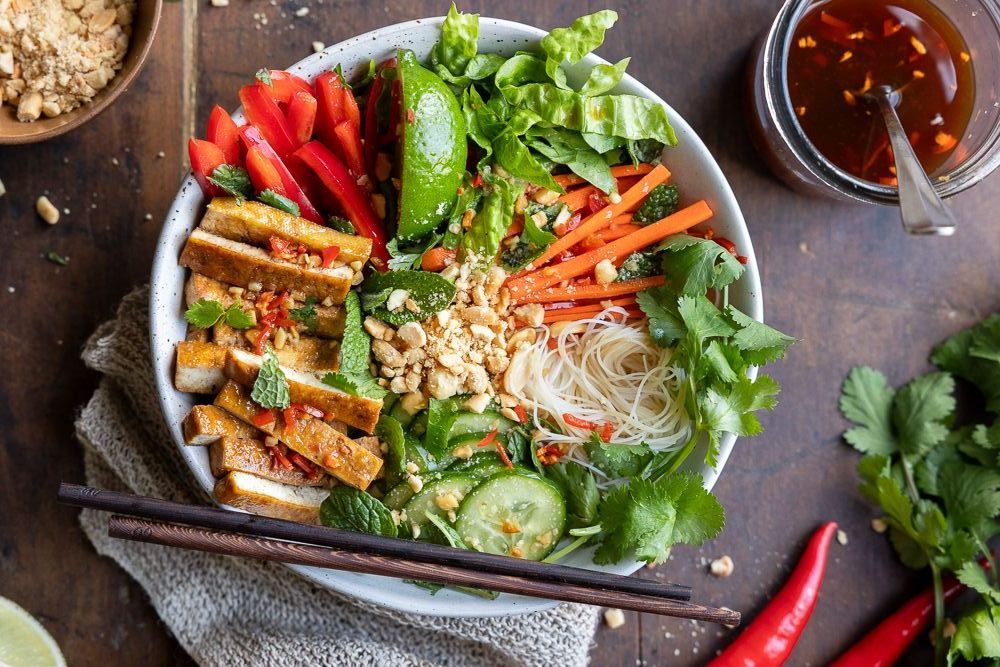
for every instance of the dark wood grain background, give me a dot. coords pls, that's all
(842, 278)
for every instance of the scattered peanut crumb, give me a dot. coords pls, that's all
(615, 618)
(220, 3)
(849, 98)
(842, 537)
(879, 525)
(46, 210)
(918, 46)
(301, 12)
(846, 56)
(318, 46)
(161, 155)
(918, 74)
(3, 190)
(801, 111)
(722, 567)
(965, 57)
(807, 42)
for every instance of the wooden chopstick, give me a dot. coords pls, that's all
(231, 544)
(345, 540)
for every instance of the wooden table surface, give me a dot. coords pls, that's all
(844, 279)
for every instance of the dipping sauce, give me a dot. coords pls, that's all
(842, 48)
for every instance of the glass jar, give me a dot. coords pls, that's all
(793, 158)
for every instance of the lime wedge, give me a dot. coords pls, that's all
(23, 640)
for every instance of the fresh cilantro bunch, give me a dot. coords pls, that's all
(713, 346)
(938, 485)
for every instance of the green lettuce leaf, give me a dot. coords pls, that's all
(604, 78)
(458, 43)
(573, 43)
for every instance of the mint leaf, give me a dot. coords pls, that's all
(280, 202)
(431, 293)
(866, 399)
(390, 432)
(351, 509)
(204, 313)
(264, 76)
(233, 180)
(918, 411)
(694, 265)
(270, 389)
(238, 318)
(650, 517)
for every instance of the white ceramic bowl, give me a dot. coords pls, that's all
(694, 171)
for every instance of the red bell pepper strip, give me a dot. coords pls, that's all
(371, 123)
(883, 646)
(263, 173)
(351, 110)
(251, 136)
(263, 113)
(769, 640)
(205, 158)
(302, 116)
(349, 138)
(222, 132)
(330, 95)
(284, 85)
(263, 417)
(351, 197)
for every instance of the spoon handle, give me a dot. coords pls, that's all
(922, 210)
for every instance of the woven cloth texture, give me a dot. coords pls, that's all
(227, 611)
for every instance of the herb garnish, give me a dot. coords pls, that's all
(264, 76)
(354, 376)
(206, 313)
(270, 389)
(280, 202)
(235, 181)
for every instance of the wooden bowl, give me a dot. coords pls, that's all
(13, 131)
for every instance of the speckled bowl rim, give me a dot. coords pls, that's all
(695, 171)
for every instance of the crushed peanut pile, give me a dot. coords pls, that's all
(55, 55)
(463, 349)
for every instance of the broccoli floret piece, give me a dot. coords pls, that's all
(639, 265)
(660, 203)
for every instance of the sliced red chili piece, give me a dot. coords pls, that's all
(488, 440)
(522, 414)
(289, 416)
(596, 203)
(579, 423)
(312, 410)
(503, 454)
(263, 417)
(263, 334)
(304, 464)
(607, 430)
(329, 254)
(279, 457)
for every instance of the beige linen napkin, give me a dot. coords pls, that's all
(226, 611)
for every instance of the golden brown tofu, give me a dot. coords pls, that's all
(255, 223)
(269, 498)
(199, 367)
(357, 411)
(206, 423)
(313, 438)
(227, 455)
(241, 264)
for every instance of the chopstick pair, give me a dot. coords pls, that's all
(246, 535)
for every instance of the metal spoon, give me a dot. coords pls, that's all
(923, 211)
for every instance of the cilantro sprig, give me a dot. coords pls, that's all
(206, 313)
(937, 485)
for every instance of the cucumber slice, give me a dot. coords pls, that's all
(396, 497)
(513, 513)
(478, 458)
(412, 445)
(470, 422)
(401, 415)
(450, 486)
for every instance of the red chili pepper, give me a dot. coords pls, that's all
(769, 640)
(477, 180)
(607, 430)
(263, 113)
(329, 254)
(727, 244)
(284, 85)
(222, 132)
(304, 464)
(552, 344)
(263, 333)
(488, 440)
(883, 646)
(579, 423)
(252, 137)
(596, 203)
(742, 259)
(503, 454)
(302, 116)
(522, 414)
(263, 173)
(289, 416)
(280, 458)
(205, 158)
(263, 417)
(353, 200)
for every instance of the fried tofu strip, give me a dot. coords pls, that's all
(255, 223)
(241, 264)
(357, 411)
(199, 368)
(269, 498)
(205, 424)
(249, 455)
(329, 319)
(313, 438)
